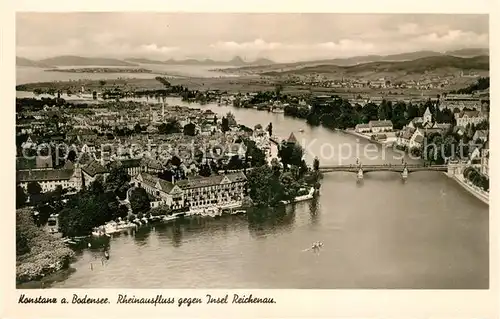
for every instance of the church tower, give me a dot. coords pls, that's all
(427, 116)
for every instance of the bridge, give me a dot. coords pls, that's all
(404, 169)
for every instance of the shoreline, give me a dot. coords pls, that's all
(354, 133)
(470, 189)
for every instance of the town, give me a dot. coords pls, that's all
(336, 151)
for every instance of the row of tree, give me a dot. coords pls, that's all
(339, 113)
(268, 185)
(477, 178)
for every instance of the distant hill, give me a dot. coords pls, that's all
(374, 58)
(409, 56)
(70, 60)
(236, 61)
(469, 52)
(144, 61)
(421, 65)
(27, 62)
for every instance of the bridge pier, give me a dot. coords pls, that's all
(404, 174)
(360, 174)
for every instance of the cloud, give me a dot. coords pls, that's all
(281, 37)
(257, 44)
(155, 49)
(98, 48)
(408, 29)
(452, 39)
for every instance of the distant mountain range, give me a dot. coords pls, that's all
(259, 65)
(68, 60)
(416, 66)
(26, 62)
(409, 56)
(236, 61)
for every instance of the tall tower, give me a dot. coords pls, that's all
(163, 111)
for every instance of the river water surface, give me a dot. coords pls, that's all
(381, 233)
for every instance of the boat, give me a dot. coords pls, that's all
(169, 218)
(111, 227)
(123, 225)
(309, 195)
(301, 130)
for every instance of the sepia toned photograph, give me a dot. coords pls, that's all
(252, 151)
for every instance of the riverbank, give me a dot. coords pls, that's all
(38, 253)
(474, 190)
(387, 143)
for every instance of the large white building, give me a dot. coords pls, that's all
(51, 178)
(196, 193)
(380, 126)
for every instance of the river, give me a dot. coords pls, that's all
(381, 233)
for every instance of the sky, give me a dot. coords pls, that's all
(283, 37)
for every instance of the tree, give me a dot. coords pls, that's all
(230, 118)
(137, 128)
(234, 163)
(254, 155)
(175, 161)
(139, 200)
(369, 112)
(71, 156)
(20, 197)
(316, 164)
(122, 211)
(225, 125)
(264, 187)
(117, 182)
(205, 170)
(277, 89)
(382, 111)
(398, 115)
(189, 129)
(276, 167)
(290, 154)
(170, 127)
(411, 111)
(34, 189)
(270, 129)
(289, 186)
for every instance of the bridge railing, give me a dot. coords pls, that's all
(381, 166)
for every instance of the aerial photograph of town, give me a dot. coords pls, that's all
(267, 151)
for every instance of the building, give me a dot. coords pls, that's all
(49, 179)
(470, 117)
(380, 126)
(196, 193)
(405, 136)
(485, 159)
(460, 102)
(480, 135)
(417, 139)
(132, 166)
(363, 128)
(34, 163)
(92, 170)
